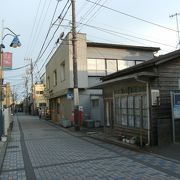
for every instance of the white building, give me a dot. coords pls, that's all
(94, 60)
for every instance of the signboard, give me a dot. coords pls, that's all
(176, 105)
(69, 95)
(7, 60)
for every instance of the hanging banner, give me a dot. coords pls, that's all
(7, 60)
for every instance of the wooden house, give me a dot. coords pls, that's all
(137, 100)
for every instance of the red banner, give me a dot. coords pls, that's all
(7, 60)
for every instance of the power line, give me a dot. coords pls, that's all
(42, 53)
(33, 26)
(90, 10)
(48, 30)
(35, 39)
(45, 61)
(16, 68)
(135, 17)
(94, 14)
(115, 33)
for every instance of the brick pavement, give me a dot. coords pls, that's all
(38, 150)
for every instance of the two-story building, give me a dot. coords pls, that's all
(94, 60)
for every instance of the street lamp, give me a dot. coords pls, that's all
(15, 43)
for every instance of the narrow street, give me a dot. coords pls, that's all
(40, 150)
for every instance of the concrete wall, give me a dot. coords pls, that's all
(63, 54)
(124, 54)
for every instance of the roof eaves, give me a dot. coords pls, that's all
(107, 45)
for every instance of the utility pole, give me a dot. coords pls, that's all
(75, 71)
(26, 86)
(1, 82)
(14, 100)
(176, 15)
(32, 88)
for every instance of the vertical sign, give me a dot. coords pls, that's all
(176, 104)
(6, 60)
(175, 107)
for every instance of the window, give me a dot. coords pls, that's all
(55, 77)
(137, 111)
(124, 110)
(111, 66)
(101, 67)
(96, 67)
(39, 92)
(131, 110)
(62, 71)
(122, 64)
(48, 82)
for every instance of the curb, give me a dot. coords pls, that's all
(138, 149)
(2, 155)
(110, 141)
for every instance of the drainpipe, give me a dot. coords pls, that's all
(148, 105)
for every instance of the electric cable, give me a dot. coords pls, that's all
(115, 33)
(48, 29)
(32, 30)
(35, 40)
(135, 17)
(40, 55)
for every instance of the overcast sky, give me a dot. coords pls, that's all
(31, 19)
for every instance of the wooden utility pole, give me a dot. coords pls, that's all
(75, 69)
(32, 88)
(26, 86)
(177, 24)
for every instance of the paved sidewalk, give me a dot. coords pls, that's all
(2, 152)
(39, 150)
(169, 151)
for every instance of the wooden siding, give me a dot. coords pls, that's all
(169, 73)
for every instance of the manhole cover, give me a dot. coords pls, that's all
(11, 147)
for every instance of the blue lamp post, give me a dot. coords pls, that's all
(15, 43)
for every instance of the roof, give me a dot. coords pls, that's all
(123, 78)
(120, 46)
(140, 67)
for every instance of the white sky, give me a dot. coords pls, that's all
(20, 16)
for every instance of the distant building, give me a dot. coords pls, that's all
(94, 60)
(138, 100)
(8, 96)
(37, 99)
